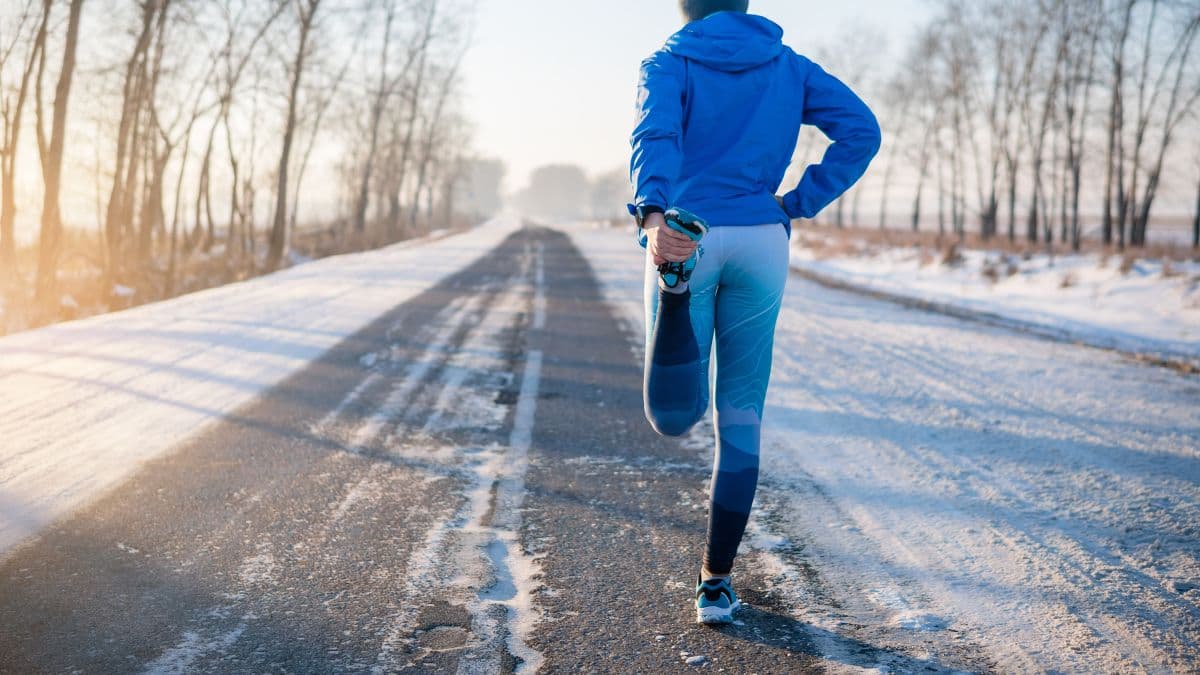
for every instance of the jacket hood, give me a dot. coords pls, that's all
(728, 41)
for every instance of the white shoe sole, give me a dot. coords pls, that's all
(716, 615)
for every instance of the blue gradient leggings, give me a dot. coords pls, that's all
(735, 296)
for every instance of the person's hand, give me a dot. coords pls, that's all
(665, 244)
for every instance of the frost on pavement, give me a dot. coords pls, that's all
(84, 403)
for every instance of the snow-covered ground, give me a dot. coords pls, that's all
(1148, 308)
(926, 481)
(949, 481)
(85, 403)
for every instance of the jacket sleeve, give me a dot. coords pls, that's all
(842, 116)
(658, 137)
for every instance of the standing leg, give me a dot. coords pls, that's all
(752, 282)
(679, 329)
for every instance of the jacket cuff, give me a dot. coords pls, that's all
(792, 205)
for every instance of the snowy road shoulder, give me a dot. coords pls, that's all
(1147, 310)
(86, 403)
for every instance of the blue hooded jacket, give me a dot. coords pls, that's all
(719, 112)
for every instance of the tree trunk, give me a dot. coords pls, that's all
(987, 220)
(117, 215)
(1116, 126)
(855, 207)
(941, 210)
(13, 114)
(406, 151)
(1175, 110)
(51, 236)
(1109, 164)
(173, 245)
(1012, 201)
(12, 117)
(279, 223)
(1196, 221)
(377, 109)
(883, 199)
(1031, 225)
(1142, 219)
(1076, 234)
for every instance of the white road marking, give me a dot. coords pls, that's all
(480, 544)
(179, 659)
(327, 421)
(416, 372)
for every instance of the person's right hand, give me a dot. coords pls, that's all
(665, 244)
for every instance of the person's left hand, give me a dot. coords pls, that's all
(665, 244)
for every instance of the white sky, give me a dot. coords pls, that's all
(554, 80)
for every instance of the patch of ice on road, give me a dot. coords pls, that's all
(194, 646)
(919, 621)
(258, 569)
(366, 488)
(904, 614)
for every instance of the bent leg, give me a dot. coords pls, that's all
(678, 342)
(752, 284)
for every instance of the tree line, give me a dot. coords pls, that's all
(1025, 118)
(185, 130)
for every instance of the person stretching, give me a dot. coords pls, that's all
(720, 108)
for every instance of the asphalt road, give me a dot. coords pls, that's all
(467, 485)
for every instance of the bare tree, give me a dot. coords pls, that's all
(381, 97)
(434, 122)
(305, 16)
(1160, 73)
(850, 57)
(175, 119)
(242, 37)
(1196, 216)
(416, 91)
(129, 136)
(1082, 16)
(26, 30)
(1037, 125)
(898, 96)
(51, 152)
(1179, 103)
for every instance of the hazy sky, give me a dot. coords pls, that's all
(554, 80)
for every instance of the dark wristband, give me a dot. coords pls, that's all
(641, 213)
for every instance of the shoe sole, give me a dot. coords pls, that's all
(715, 616)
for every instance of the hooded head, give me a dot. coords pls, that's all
(694, 10)
(728, 41)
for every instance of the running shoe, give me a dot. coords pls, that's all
(693, 227)
(715, 601)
